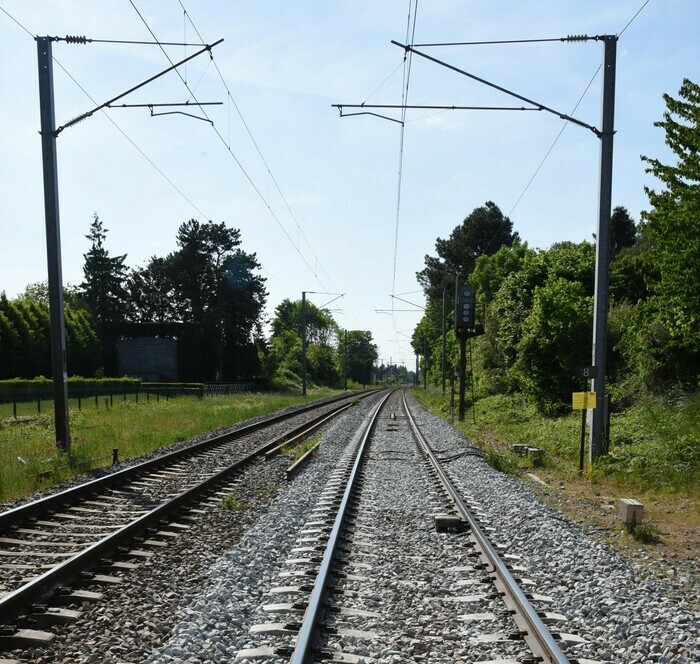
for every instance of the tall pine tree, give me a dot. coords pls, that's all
(104, 288)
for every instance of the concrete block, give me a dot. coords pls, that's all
(631, 511)
(449, 523)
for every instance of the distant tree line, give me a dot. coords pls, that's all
(326, 348)
(536, 305)
(25, 336)
(206, 294)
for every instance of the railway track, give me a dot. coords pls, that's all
(357, 589)
(51, 547)
(397, 568)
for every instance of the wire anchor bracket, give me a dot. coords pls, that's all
(107, 104)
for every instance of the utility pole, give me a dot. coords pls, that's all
(53, 244)
(425, 364)
(462, 371)
(49, 133)
(303, 343)
(345, 362)
(602, 268)
(444, 337)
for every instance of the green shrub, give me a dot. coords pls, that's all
(646, 533)
(500, 461)
(40, 383)
(285, 380)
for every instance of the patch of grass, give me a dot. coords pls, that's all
(133, 428)
(646, 533)
(299, 451)
(505, 463)
(233, 504)
(654, 445)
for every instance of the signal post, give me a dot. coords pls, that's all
(465, 328)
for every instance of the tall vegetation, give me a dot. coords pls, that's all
(536, 305)
(325, 354)
(24, 335)
(669, 321)
(103, 288)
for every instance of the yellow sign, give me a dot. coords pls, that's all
(583, 400)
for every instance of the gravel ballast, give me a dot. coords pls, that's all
(197, 601)
(624, 617)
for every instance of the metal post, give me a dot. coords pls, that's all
(602, 269)
(444, 337)
(471, 380)
(462, 372)
(425, 364)
(416, 380)
(53, 244)
(303, 343)
(345, 361)
(583, 431)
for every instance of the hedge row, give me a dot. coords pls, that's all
(21, 385)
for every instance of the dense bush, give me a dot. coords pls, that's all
(21, 386)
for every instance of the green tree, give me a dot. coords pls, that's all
(491, 269)
(209, 281)
(515, 299)
(103, 288)
(152, 294)
(321, 330)
(361, 355)
(10, 343)
(556, 336)
(670, 319)
(483, 232)
(623, 230)
(39, 292)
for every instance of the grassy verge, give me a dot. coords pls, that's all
(654, 446)
(654, 457)
(28, 458)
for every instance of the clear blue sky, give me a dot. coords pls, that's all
(285, 63)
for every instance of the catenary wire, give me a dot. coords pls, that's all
(235, 158)
(404, 100)
(551, 147)
(117, 127)
(381, 85)
(639, 11)
(259, 151)
(494, 41)
(561, 131)
(128, 138)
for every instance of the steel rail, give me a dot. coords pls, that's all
(536, 634)
(43, 586)
(305, 640)
(13, 516)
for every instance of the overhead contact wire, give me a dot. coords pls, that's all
(235, 158)
(259, 151)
